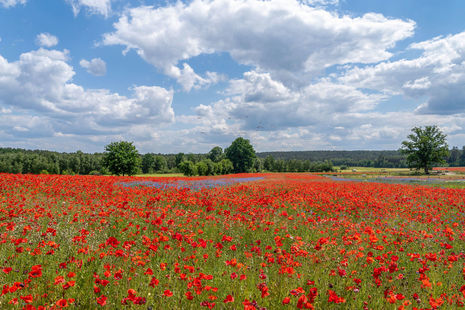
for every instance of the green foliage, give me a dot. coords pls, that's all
(257, 164)
(462, 157)
(268, 163)
(179, 159)
(160, 163)
(121, 158)
(425, 148)
(206, 167)
(202, 168)
(188, 168)
(216, 154)
(154, 163)
(242, 154)
(148, 161)
(454, 155)
(225, 166)
(390, 159)
(212, 168)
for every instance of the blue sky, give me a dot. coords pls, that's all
(187, 76)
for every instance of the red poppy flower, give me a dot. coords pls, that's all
(102, 300)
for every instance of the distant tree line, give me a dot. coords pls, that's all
(38, 161)
(15, 160)
(456, 157)
(294, 165)
(377, 159)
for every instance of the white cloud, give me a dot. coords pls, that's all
(96, 66)
(286, 38)
(257, 102)
(102, 7)
(321, 2)
(46, 39)
(438, 75)
(189, 79)
(10, 3)
(39, 85)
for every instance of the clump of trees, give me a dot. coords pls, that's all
(14, 160)
(294, 165)
(215, 163)
(241, 157)
(152, 163)
(238, 157)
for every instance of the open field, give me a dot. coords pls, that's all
(375, 170)
(278, 241)
(440, 177)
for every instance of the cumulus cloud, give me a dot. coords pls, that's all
(10, 3)
(102, 7)
(96, 66)
(438, 75)
(39, 84)
(46, 39)
(189, 79)
(260, 103)
(288, 39)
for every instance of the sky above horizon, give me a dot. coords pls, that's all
(185, 76)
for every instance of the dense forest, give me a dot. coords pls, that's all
(377, 159)
(381, 159)
(13, 160)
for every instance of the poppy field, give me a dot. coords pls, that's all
(280, 241)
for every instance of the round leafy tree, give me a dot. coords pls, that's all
(121, 158)
(241, 153)
(425, 148)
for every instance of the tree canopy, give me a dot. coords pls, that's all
(121, 158)
(425, 148)
(242, 154)
(216, 154)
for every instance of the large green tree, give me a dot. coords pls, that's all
(121, 158)
(242, 154)
(425, 147)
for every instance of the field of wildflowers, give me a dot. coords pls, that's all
(279, 241)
